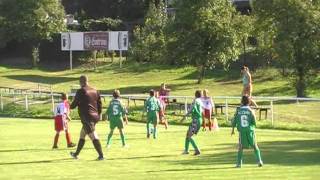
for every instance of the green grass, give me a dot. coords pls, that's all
(136, 78)
(25, 153)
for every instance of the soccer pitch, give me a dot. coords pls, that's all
(25, 153)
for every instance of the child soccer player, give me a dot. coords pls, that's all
(245, 122)
(116, 113)
(162, 118)
(208, 108)
(152, 107)
(196, 114)
(60, 121)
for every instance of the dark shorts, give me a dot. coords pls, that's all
(89, 127)
(195, 126)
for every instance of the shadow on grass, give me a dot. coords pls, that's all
(285, 153)
(34, 162)
(41, 79)
(275, 90)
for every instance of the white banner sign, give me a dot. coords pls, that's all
(118, 40)
(82, 41)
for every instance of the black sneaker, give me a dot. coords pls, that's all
(196, 153)
(73, 155)
(55, 147)
(71, 145)
(238, 166)
(100, 158)
(260, 164)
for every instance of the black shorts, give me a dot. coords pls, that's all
(89, 127)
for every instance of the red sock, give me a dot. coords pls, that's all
(56, 138)
(210, 125)
(68, 137)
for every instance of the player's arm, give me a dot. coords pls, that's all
(253, 117)
(76, 100)
(234, 123)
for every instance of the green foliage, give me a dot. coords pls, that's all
(205, 33)
(291, 29)
(30, 20)
(149, 40)
(103, 24)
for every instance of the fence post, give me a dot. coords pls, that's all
(227, 111)
(271, 106)
(26, 104)
(1, 101)
(39, 88)
(185, 105)
(52, 102)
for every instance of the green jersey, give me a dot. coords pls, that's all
(116, 110)
(244, 119)
(196, 109)
(152, 106)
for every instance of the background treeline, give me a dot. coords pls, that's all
(208, 34)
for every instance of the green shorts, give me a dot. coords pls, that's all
(152, 118)
(247, 139)
(116, 123)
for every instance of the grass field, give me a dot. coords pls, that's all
(136, 78)
(25, 153)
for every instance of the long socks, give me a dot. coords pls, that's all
(97, 146)
(80, 146)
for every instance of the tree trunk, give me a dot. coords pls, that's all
(201, 70)
(300, 82)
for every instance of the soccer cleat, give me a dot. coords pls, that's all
(73, 155)
(100, 158)
(54, 147)
(108, 146)
(125, 146)
(196, 153)
(148, 136)
(238, 166)
(185, 152)
(71, 145)
(260, 164)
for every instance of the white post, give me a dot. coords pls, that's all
(26, 102)
(227, 110)
(120, 59)
(272, 118)
(52, 102)
(38, 88)
(70, 54)
(185, 106)
(1, 102)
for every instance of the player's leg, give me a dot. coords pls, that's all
(55, 141)
(187, 141)
(109, 137)
(81, 143)
(95, 141)
(148, 127)
(68, 137)
(239, 156)
(256, 150)
(122, 137)
(155, 124)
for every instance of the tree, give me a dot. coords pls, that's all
(292, 28)
(205, 33)
(30, 20)
(149, 40)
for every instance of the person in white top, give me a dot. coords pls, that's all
(61, 117)
(208, 106)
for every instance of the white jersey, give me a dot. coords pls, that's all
(207, 102)
(60, 109)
